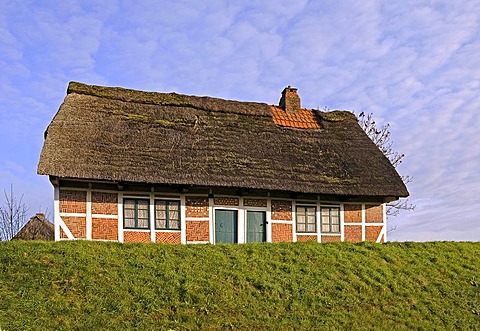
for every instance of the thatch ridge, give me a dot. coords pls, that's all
(103, 133)
(170, 99)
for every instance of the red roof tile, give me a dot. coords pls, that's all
(304, 119)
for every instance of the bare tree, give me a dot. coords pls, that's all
(381, 138)
(13, 215)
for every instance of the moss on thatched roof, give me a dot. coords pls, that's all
(117, 134)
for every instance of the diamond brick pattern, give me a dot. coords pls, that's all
(307, 238)
(134, 236)
(327, 239)
(168, 237)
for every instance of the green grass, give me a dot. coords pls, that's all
(91, 285)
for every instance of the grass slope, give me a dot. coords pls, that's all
(88, 285)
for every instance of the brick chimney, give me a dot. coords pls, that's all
(290, 101)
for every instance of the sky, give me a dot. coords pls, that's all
(414, 64)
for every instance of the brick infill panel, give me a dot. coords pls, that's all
(104, 229)
(134, 236)
(226, 201)
(306, 237)
(326, 239)
(353, 233)
(255, 203)
(281, 210)
(73, 201)
(196, 207)
(168, 237)
(372, 232)
(374, 213)
(104, 203)
(282, 232)
(198, 230)
(77, 226)
(352, 213)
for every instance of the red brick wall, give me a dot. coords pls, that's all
(326, 239)
(372, 232)
(281, 210)
(104, 203)
(353, 233)
(134, 236)
(306, 238)
(196, 207)
(226, 201)
(198, 231)
(255, 202)
(374, 213)
(105, 229)
(168, 237)
(353, 213)
(77, 226)
(282, 232)
(73, 201)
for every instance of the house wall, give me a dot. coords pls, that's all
(94, 214)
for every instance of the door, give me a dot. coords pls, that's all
(225, 226)
(256, 226)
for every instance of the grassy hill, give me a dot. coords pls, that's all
(88, 285)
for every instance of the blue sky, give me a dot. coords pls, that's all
(414, 64)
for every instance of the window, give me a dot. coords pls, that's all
(135, 214)
(330, 219)
(306, 221)
(167, 215)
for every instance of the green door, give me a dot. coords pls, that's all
(256, 226)
(225, 226)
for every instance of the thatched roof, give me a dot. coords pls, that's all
(37, 228)
(116, 134)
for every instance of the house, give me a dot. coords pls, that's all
(37, 228)
(133, 166)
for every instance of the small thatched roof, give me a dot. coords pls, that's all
(116, 134)
(37, 228)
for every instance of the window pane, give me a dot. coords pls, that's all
(143, 223)
(129, 222)
(325, 219)
(173, 215)
(174, 225)
(300, 219)
(335, 228)
(300, 227)
(174, 206)
(300, 211)
(311, 227)
(335, 220)
(160, 224)
(326, 228)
